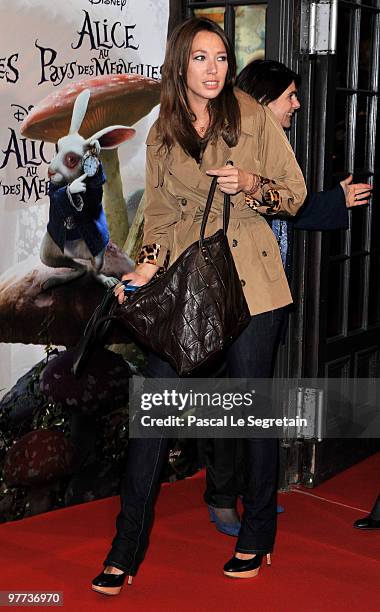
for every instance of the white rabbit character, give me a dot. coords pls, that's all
(77, 233)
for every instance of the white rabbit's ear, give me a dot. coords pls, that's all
(111, 137)
(79, 110)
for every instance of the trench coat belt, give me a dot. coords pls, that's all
(235, 213)
(194, 217)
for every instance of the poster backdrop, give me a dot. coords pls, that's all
(46, 46)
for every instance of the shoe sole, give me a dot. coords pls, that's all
(250, 574)
(367, 528)
(106, 590)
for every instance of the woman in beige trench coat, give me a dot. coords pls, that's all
(177, 188)
(203, 126)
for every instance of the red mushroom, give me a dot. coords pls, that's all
(38, 457)
(102, 386)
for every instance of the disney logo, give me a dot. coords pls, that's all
(120, 3)
(21, 111)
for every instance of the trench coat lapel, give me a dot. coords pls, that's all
(183, 167)
(186, 169)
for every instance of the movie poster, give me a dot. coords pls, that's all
(47, 48)
(80, 87)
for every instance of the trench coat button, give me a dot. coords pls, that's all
(264, 254)
(242, 282)
(234, 243)
(183, 201)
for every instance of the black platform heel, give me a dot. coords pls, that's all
(110, 584)
(245, 568)
(372, 520)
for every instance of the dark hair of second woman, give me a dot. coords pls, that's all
(266, 80)
(175, 122)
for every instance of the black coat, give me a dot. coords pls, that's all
(89, 224)
(325, 210)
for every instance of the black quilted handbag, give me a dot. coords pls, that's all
(197, 307)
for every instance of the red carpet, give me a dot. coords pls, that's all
(320, 564)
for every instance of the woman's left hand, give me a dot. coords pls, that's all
(355, 193)
(231, 180)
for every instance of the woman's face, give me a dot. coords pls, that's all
(285, 105)
(207, 68)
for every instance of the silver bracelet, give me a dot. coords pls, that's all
(256, 183)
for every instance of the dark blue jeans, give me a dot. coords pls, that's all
(251, 355)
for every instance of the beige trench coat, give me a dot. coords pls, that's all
(177, 188)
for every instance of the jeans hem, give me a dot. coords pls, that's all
(120, 566)
(255, 551)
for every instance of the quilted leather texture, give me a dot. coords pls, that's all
(193, 310)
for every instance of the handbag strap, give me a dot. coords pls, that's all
(95, 330)
(106, 307)
(226, 210)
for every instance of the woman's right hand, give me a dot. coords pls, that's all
(139, 277)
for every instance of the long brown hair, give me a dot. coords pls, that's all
(175, 121)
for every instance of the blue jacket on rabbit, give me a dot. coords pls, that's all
(66, 223)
